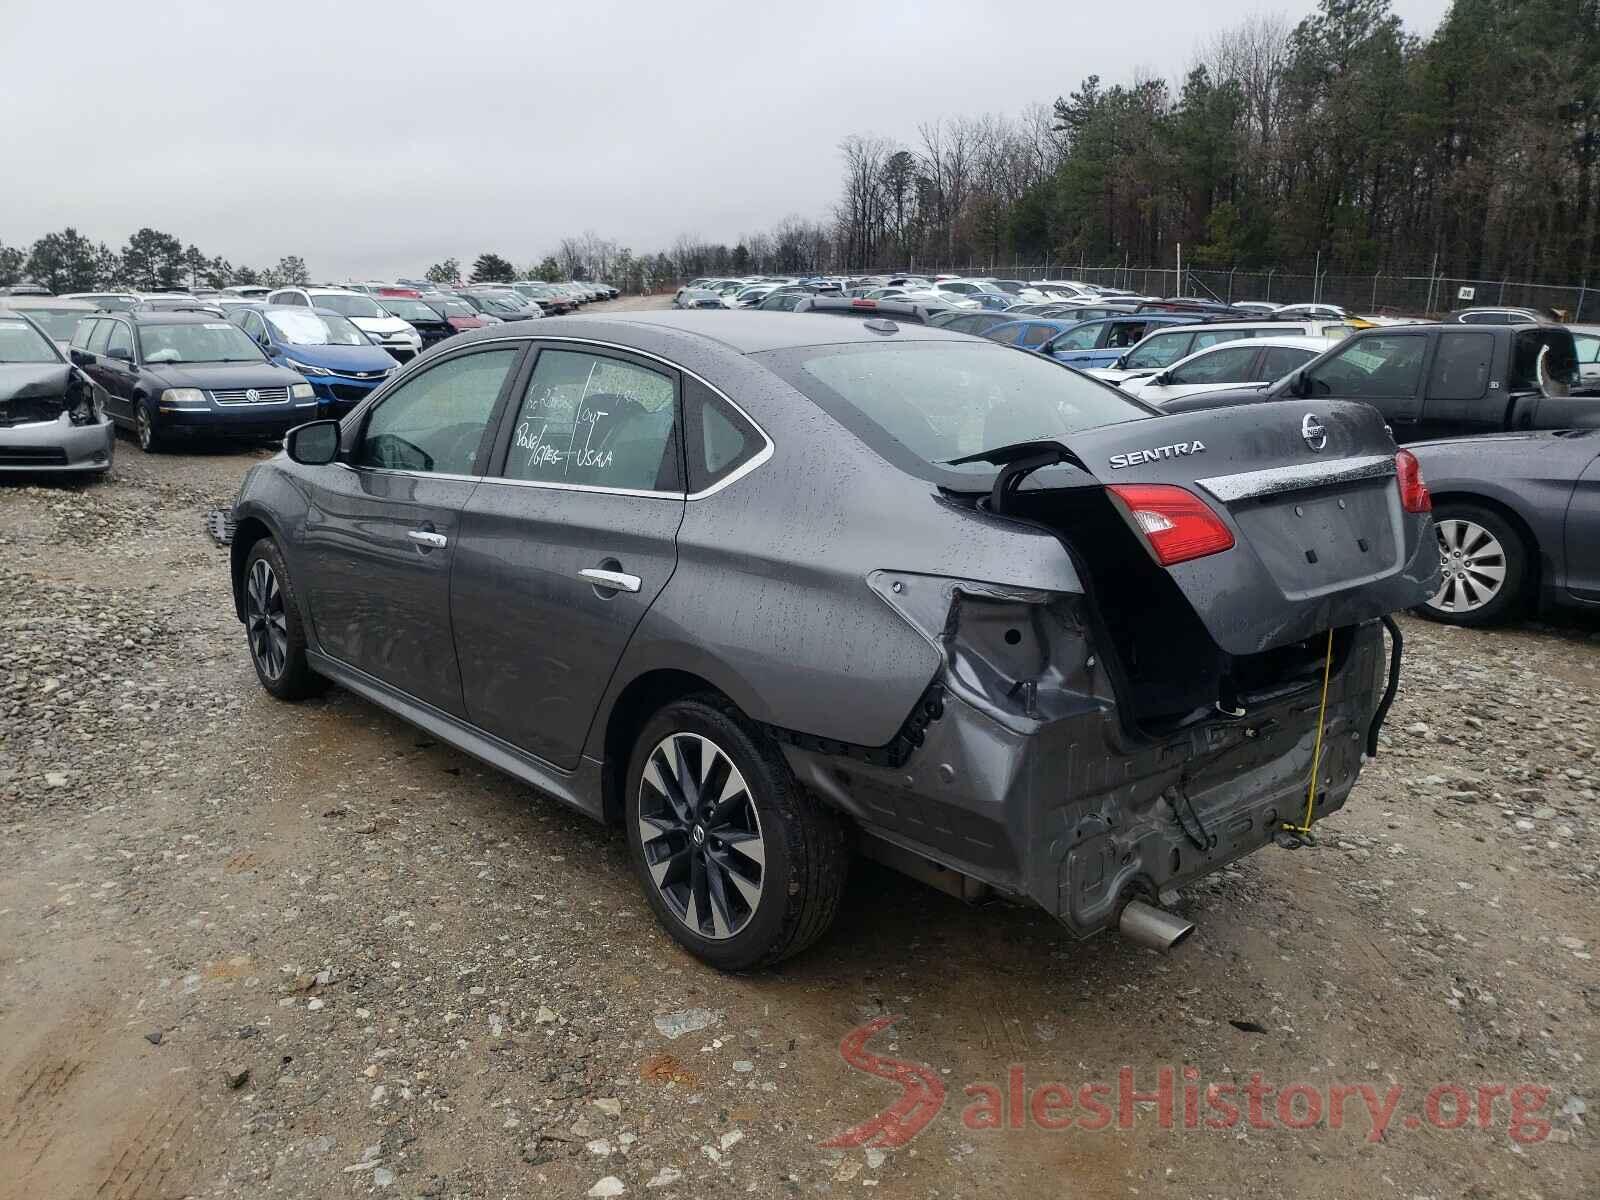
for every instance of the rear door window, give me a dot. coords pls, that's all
(1124, 333)
(1159, 350)
(1461, 366)
(1215, 337)
(1080, 337)
(1034, 336)
(101, 334)
(1278, 361)
(121, 338)
(1544, 359)
(595, 421)
(1231, 365)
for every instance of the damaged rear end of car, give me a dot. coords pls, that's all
(1093, 749)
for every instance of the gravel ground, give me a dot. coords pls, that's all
(250, 949)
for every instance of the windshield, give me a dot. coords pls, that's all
(59, 323)
(349, 306)
(211, 341)
(410, 310)
(945, 400)
(22, 343)
(301, 328)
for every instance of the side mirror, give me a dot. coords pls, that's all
(1159, 379)
(121, 354)
(314, 444)
(1297, 385)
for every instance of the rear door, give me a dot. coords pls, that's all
(384, 528)
(567, 543)
(1464, 395)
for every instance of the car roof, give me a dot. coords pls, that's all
(47, 302)
(1308, 342)
(160, 316)
(748, 331)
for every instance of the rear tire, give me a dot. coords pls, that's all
(751, 872)
(273, 627)
(1484, 559)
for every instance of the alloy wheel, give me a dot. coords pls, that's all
(701, 835)
(1473, 563)
(141, 423)
(265, 620)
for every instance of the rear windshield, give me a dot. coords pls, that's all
(945, 400)
(1558, 353)
(59, 323)
(22, 343)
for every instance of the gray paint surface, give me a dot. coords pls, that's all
(779, 589)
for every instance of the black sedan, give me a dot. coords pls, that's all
(1518, 518)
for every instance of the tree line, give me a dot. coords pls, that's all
(1343, 138)
(68, 261)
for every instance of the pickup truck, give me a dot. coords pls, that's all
(1445, 380)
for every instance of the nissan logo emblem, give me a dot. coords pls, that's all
(1312, 430)
(252, 396)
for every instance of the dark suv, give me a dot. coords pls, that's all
(170, 374)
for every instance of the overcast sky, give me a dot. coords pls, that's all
(374, 139)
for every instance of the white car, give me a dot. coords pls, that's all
(1243, 362)
(1170, 343)
(1327, 312)
(398, 337)
(1587, 339)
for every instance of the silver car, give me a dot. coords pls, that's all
(769, 590)
(49, 420)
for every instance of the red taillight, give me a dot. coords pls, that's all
(863, 304)
(1177, 523)
(1414, 496)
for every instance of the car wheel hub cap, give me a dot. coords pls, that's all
(1475, 567)
(266, 620)
(701, 835)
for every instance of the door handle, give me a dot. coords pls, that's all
(615, 581)
(426, 537)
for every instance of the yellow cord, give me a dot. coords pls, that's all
(1316, 753)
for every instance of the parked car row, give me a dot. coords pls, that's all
(246, 362)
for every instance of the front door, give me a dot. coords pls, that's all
(381, 532)
(565, 547)
(1381, 369)
(116, 374)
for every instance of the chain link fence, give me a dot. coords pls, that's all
(1380, 293)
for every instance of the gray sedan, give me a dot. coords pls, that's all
(49, 420)
(770, 589)
(1518, 517)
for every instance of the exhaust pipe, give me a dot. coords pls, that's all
(1150, 926)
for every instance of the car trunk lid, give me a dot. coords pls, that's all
(1320, 538)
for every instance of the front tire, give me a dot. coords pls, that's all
(737, 861)
(144, 428)
(1484, 560)
(273, 626)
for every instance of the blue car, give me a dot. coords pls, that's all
(339, 361)
(1029, 333)
(1100, 343)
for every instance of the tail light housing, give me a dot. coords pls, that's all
(1177, 524)
(1414, 495)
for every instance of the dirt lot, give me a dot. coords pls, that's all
(250, 949)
